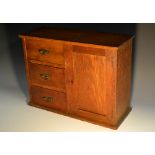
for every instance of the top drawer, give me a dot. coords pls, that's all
(45, 50)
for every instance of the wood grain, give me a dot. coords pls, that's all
(46, 63)
(111, 72)
(56, 77)
(54, 48)
(89, 83)
(89, 74)
(87, 119)
(89, 50)
(74, 35)
(68, 54)
(124, 56)
(94, 83)
(58, 100)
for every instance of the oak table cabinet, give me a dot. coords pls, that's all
(82, 74)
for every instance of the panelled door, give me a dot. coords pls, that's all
(87, 94)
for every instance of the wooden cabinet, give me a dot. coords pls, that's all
(81, 74)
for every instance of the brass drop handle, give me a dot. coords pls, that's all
(44, 76)
(43, 51)
(47, 98)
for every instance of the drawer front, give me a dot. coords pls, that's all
(45, 50)
(47, 76)
(48, 98)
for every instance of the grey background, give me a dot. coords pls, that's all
(16, 115)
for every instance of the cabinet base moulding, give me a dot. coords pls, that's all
(104, 124)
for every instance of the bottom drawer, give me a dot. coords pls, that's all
(48, 98)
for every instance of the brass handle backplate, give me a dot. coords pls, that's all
(43, 51)
(44, 76)
(47, 98)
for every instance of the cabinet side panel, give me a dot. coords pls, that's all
(111, 73)
(123, 78)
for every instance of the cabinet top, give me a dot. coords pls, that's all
(72, 35)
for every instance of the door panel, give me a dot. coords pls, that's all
(89, 83)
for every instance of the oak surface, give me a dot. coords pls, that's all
(124, 74)
(54, 48)
(89, 83)
(72, 35)
(47, 76)
(85, 75)
(57, 101)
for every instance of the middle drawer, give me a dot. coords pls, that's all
(47, 76)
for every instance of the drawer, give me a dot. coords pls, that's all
(47, 76)
(45, 50)
(48, 98)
